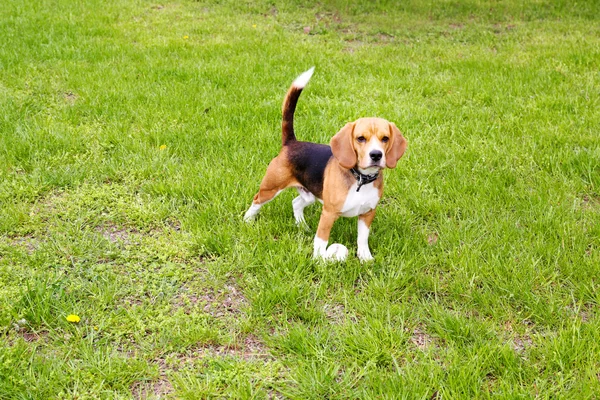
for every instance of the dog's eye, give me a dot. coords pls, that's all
(361, 139)
(385, 139)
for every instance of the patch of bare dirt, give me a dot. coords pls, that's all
(70, 97)
(589, 250)
(159, 389)
(583, 312)
(522, 343)
(227, 300)
(519, 342)
(28, 242)
(33, 336)
(272, 12)
(116, 234)
(336, 313)
(432, 238)
(271, 394)
(421, 339)
(248, 348)
(24, 330)
(174, 224)
(584, 315)
(131, 301)
(590, 202)
(499, 29)
(383, 37)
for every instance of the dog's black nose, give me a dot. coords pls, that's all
(376, 155)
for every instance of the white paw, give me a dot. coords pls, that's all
(336, 252)
(364, 254)
(251, 213)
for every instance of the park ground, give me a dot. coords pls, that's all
(133, 135)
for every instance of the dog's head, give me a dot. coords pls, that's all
(369, 144)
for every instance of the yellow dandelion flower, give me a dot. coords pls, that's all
(254, 25)
(186, 37)
(73, 318)
(163, 146)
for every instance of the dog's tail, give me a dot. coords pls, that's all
(289, 106)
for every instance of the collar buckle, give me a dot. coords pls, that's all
(363, 179)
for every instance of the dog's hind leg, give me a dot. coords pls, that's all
(304, 200)
(275, 180)
(255, 207)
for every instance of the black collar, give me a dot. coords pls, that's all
(363, 179)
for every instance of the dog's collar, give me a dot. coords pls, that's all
(363, 179)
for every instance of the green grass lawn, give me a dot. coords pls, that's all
(133, 135)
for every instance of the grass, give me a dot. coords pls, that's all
(133, 135)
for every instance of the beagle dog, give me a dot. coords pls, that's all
(345, 177)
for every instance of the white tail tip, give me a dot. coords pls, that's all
(303, 79)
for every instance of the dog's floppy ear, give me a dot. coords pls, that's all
(342, 148)
(396, 148)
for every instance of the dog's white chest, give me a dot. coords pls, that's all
(360, 202)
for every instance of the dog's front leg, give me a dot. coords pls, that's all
(323, 231)
(364, 226)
